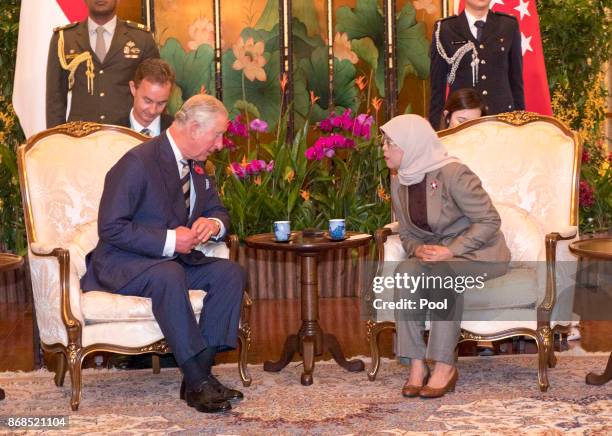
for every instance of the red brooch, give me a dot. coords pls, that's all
(434, 185)
(198, 168)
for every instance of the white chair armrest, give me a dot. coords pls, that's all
(42, 248)
(568, 232)
(394, 226)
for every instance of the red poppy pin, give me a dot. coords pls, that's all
(198, 168)
(434, 185)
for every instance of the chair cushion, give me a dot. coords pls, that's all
(517, 289)
(84, 240)
(394, 251)
(523, 236)
(101, 306)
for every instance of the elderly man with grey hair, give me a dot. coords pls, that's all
(158, 204)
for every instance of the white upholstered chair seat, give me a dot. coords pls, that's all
(101, 306)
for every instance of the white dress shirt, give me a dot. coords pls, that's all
(154, 127)
(109, 31)
(170, 245)
(471, 20)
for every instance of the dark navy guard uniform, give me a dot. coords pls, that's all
(493, 66)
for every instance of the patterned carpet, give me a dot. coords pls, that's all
(495, 395)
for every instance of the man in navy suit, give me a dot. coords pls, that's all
(158, 204)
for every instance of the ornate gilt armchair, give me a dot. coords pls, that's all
(529, 165)
(61, 173)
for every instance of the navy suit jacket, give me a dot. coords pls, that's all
(142, 199)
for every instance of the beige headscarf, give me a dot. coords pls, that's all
(423, 151)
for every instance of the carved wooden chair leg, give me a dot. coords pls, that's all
(374, 330)
(75, 362)
(552, 359)
(244, 342)
(155, 363)
(60, 369)
(544, 341)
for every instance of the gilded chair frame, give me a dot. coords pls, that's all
(544, 334)
(70, 357)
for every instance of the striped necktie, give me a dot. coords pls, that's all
(146, 132)
(185, 181)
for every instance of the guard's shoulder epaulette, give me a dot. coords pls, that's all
(503, 14)
(446, 18)
(138, 26)
(66, 26)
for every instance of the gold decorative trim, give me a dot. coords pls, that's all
(160, 346)
(518, 118)
(79, 129)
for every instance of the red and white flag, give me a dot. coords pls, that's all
(537, 94)
(37, 20)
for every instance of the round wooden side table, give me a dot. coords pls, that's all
(600, 249)
(310, 340)
(9, 262)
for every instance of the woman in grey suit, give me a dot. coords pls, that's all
(450, 231)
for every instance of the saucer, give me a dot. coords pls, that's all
(329, 238)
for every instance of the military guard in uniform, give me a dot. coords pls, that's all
(478, 49)
(96, 60)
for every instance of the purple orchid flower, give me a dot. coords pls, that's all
(259, 125)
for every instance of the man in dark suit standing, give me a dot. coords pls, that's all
(478, 49)
(158, 204)
(95, 60)
(151, 89)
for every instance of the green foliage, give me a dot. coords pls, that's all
(577, 41)
(310, 77)
(12, 233)
(365, 21)
(193, 69)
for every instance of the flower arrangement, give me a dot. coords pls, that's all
(341, 175)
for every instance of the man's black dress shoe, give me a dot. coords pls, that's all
(225, 392)
(206, 399)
